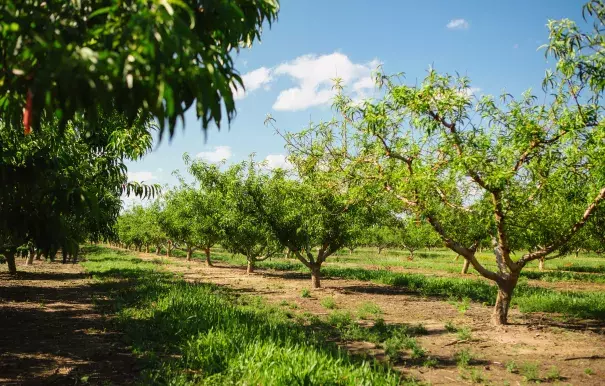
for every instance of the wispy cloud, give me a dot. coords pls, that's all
(458, 24)
(253, 80)
(217, 155)
(314, 76)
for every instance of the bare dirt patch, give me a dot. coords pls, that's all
(573, 346)
(51, 333)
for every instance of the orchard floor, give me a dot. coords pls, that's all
(572, 345)
(52, 333)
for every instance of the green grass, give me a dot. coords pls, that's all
(530, 372)
(463, 358)
(368, 308)
(328, 302)
(190, 333)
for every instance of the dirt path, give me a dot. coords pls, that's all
(572, 346)
(50, 332)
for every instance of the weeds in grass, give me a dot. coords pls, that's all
(530, 372)
(328, 302)
(463, 305)
(512, 367)
(464, 333)
(392, 348)
(450, 327)
(463, 358)
(368, 308)
(417, 351)
(477, 376)
(430, 363)
(340, 319)
(305, 293)
(553, 374)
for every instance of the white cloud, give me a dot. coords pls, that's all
(274, 161)
(141, 176)
(217, 155)
(261, 77)
(314, 77)
(160, 170)
(458, 24)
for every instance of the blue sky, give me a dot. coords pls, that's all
(288, 74)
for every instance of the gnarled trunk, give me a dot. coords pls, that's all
(39, 254)
(208, 261)
(146, 248)
(158, 250)
(74, 256)
(465, 266)
(505, 294)
(30, 257)
(168, 249)
(380, 250)
(10, 261)
(250, 268)
(189, 253)
(541, 264)
(64, 252)
(316, 275)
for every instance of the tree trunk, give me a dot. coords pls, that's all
(350, 251)
(316, 276)
(208, 261)
(168, 249)
(379, 250)
(250, 268)
(10, 261)
(465, 266)
(30, 257)
(158, 250)
(39, 254)
(75, 255)
(189, 253)
(146, 248)
(505, 294)
(541, 264)
(577, 252)
(64, 252)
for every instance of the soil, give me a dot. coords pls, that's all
(52, 334)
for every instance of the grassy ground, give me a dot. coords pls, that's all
(528, 298)
(201, 334)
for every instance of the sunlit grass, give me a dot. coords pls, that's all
(200, 334)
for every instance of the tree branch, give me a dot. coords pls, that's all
(565, 238)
